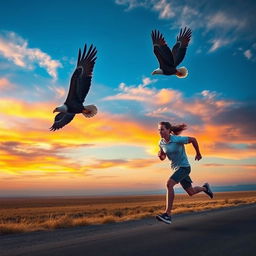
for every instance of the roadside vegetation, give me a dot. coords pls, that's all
(33, 214)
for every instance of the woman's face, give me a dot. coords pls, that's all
(163, 131)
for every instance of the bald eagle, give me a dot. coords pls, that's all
(79, 87)
(170, 59)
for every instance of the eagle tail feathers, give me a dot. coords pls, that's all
(182, 72)
(90, 111)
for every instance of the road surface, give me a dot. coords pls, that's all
(223, 232)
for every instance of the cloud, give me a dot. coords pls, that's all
(15, 49)
(209, 115)
(32, 120)
(38, 159)
(12, 108)
(248, 54)
(222, 20)
(41, 159)
(143, 94)
(130, 164)
(132, 3)
(141, 163)
(221, 127)
(206, 110)
(241, 118)
(246, 166)
(36, 149)
(5, 84)
(218, 43)
(171, 103)
(25, 158)
(233, 24)
(58, 91)
(164, 9)
(146, 81)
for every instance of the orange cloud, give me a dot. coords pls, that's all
(246, 166)
(143, 94)
(29, 123)
(5, 84)
(24, 110)
(130, 164)
(165, 96)
(29, 151)
(224, 174)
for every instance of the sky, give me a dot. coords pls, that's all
(116, 151)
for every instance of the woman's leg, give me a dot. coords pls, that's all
(186, 183)
(194, 190)
(170, 195)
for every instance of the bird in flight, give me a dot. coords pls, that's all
(170, 59)
(79, 87)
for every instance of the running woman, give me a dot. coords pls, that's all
(172, 146)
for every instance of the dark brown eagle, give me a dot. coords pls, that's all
(170, 59)
(79, 87)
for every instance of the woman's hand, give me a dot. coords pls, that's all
(161, 154)
(198, 156)
(196, 147)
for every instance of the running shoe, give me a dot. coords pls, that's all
(164, 217)
(208, 190)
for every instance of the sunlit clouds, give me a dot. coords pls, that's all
(141, 93)
(29, 151)
(16, 49)
(5, 84)
(28, 146)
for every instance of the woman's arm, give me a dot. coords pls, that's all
(161, 154)
(196, 147)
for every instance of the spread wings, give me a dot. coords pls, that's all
(81, 79)
(61, 120)
(180, 48)
(161, 50)
(171, 58)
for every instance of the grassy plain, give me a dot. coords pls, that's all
(31, 214)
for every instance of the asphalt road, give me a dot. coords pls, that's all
(222, 232)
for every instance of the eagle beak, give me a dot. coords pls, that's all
(55, 110)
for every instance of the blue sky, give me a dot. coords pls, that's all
(122, 35)
(39, 43)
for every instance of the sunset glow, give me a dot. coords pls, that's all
(116, 151)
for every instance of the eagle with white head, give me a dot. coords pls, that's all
(79, 87)
(170, 59)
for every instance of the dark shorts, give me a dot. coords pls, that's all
(182, 176)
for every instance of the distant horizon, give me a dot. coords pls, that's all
(228, 188)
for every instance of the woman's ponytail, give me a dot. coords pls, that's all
(174, 129)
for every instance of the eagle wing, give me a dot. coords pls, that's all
(161, 50)
(180, 48)
(81, 79)
(86, 63)
(61, 120)
(72, 94)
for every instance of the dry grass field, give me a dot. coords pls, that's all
(31, 214)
